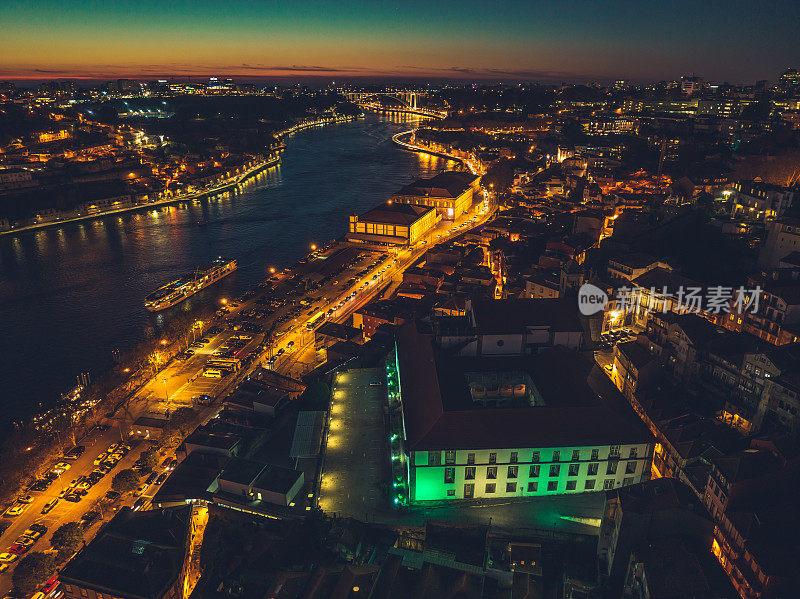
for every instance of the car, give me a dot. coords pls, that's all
(139, 503)
(3, 568)
(51, 504)
(51, 584)
(112, 448)
(15, 510)
(18, 549)
(142, 489)
(63, 466)
(75, 452)
(98, 472)
(100, 459)
(290, 345)
(25, 499)
(72, 497)
(88, 518)
(32, 534)
(196, 345)
(205, 340)
(8, 558)
(38, 527)
(212, 373)
(41, 485)
(151, 478)
(188, 353)
(25, 541)
(161, 478)
(375, 384)
(38, 595)
(112, 495)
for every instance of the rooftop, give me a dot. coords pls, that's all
(137, 555)
(395, 214)
(449, 184)
(514, 315)
(581, 406)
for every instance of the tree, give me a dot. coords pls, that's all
(32, 570)
(125, 481)
(183, 420)
(67, 537)
(149, 459)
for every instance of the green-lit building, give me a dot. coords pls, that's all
(513, 426)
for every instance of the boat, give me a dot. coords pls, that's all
(176, 291)
(202, 223)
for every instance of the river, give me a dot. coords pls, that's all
(70, 296)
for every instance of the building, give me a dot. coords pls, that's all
(216, 443)
(652, 511)
(451, 193)
(756, 200)
(148, 427)
(256, 481)
(783, 238)
(632, 266)
(513, 427)
(137, 555)
(512, 327)
(392, 224)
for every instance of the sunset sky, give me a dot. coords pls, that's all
(735, 40)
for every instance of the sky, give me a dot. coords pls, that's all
(739, 41)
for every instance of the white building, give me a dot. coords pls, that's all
(514, 426)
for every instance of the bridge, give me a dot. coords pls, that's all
(408, 101)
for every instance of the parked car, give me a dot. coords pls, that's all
(50, 505)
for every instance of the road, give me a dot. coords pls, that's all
(181, 380)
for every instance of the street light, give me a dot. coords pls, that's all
(313, 247)
(165, 390)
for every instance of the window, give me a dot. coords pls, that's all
(630, 468)
(469, 473)
(535, 456)
(592, 470)
(533, 487)
(571, 484)
(491, 472)
(611, 467)
(514, 457)
(576, 455)
(613, 451)
(533, 472)
(490, 487)
(556, 456)
(552, 485)
(449, 457)
(573, 469)
(449, 475)
(470, 458)
(451, 492)
(595, 455)
(628, 480)
(434, 458)
(512, 471)
(589, 484)
(633, 453)
(554, 469)
(511, 487)
(608, 484)
(492, 458)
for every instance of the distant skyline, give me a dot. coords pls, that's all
(735, 40)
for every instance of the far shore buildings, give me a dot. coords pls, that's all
(450, 192)
(513, 426)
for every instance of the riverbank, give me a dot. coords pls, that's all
(473, 165)
(238, 180)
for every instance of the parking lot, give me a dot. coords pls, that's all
(356, 458)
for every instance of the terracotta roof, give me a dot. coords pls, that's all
(438, 413)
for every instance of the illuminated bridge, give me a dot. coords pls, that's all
(407, 102)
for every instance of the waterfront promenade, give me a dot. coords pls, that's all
(227, 185)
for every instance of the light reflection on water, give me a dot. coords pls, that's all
(71, 295)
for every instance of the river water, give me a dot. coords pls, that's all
(71, 296)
